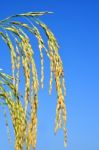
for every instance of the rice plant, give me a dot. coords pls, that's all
(22, 55)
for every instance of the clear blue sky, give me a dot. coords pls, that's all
(76, 26)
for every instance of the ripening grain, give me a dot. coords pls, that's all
(22, 55)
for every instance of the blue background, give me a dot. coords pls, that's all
(76, 27)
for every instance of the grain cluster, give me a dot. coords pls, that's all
(25, 120)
